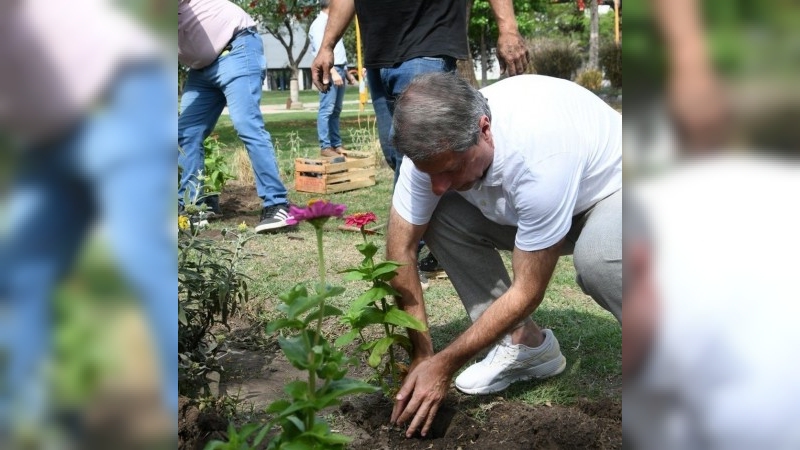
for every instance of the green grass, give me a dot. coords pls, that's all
(590, 338)
(306, 96)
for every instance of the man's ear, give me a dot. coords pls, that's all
(486, 128)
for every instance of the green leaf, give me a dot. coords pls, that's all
(340, 388)
(278, 406)
(397, 316)
(380, 348)
(295, 350)
(298, 390)
(326, 312)
(365, 299)
(368, 249)
(362, 274)
(302, 304)
(182, 315)
(328, 290)
(403, 341)
(369, 316)
(282, 323)
(346, 338)
(297, 422)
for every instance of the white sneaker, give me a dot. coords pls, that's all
(507, 363)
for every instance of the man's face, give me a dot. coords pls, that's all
(459, 171)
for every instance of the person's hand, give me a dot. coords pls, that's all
(321, 69)
(422, 392)
(337, 79)
(699, 107)
(351, 79)
(512, 54)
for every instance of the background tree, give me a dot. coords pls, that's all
(594, 35)
(482, 32)
(288, 22)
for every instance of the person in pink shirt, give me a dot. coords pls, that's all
(220, 45)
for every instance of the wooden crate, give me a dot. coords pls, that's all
(321, 176)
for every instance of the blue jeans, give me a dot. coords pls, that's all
(236, 79)
(330, 107)
(114, 167)
(386, 84)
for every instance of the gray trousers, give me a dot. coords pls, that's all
(466, 244)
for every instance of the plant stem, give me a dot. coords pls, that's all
(312, 375)
(391, 347)
(324, 286)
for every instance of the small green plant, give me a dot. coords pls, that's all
(301, 340)
(372, 308)
(293, 144)
(211, 285)
(217, 172)
(590, 79)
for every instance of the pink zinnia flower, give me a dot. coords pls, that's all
(318, 212)
(360, 220)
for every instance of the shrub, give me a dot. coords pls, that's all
(556, 57)
(211, 286)
(590, 79)
(611, 63)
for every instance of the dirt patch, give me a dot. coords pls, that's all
(506, 425)
(258, 377)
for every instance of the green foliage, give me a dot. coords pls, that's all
(372, 308)
(556, 58)
(611, 63)
(590, 79)
(281, 19)
(211, 285)
(217, 172)
(307, 349)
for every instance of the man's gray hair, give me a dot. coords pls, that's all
(324, 3)
(437, 112)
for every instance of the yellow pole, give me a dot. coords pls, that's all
(616, 22)
(362, 85)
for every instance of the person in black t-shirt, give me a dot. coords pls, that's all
(406, 38)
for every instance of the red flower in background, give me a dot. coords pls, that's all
(360, 220)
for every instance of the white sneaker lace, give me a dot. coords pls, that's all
(502, 352)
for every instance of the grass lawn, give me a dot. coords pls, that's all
(590, 337)
(306, 96)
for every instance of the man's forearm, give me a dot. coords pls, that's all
(532, 272)
(504, 15)
(498, 320)
(340, 13)
(401, 246)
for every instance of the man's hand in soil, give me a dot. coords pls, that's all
(422, 392)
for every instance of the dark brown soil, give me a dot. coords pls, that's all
(257, 376)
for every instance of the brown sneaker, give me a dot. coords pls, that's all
(340, 150)
(328, 153)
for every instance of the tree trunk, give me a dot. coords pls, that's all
(594, 36)
(484, 58)
(466, 68)
(294, 90)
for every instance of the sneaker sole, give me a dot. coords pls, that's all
(271, 226)
(540, 372)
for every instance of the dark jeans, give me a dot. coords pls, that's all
(386, 84)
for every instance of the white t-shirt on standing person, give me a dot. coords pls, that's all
(316, 32)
